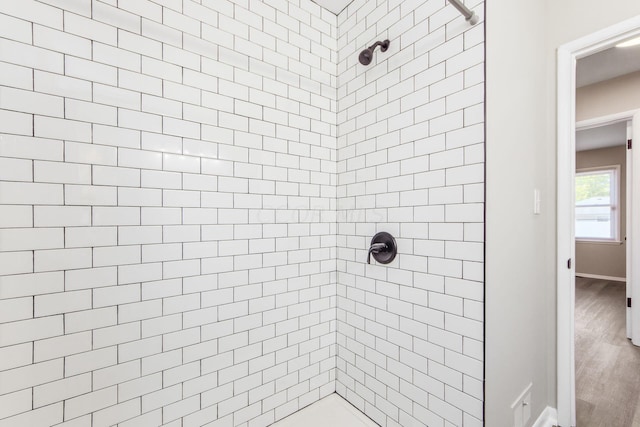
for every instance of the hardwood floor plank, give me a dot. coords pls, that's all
(607, 364)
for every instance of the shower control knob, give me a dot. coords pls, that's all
(383, 248)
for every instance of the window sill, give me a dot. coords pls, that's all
(600, 242)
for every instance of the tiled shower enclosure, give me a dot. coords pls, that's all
(188, 189)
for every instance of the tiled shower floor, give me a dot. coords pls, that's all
(332, 411)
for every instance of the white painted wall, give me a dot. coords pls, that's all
(521, 155)
(609, 97)
(518, 271)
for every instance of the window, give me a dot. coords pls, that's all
(597, 201)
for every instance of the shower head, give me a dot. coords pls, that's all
(367, 55)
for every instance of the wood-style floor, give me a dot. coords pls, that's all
(607, 364)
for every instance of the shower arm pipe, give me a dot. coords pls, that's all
(384, 45)
(469, 15)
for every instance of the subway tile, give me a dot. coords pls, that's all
(160, 216)
(108, 337)
(90, 402)
(66, 173)
(60, 390)
(29, 376)
(181, 128)
(20, 239)
(159, 179)
(30, 330)
(90, 319)
(180, 198)
(56, 84)
(137, 273)
(134, 312)
(139, 44)
(19, 285)
(59, 41)
(179, 163)
(31, 56)
(62, 346)
(140, 386)
(90, 153)
(77, 237)
(139, 82)
(31, 148)
(49, 127)
(142, 8)
(146, 419)
(14, 216)
(83, 26)
(15, 403)
(113, 216)
(161, 398)
(115, 17)
(46, 305)
(40, 416)
(17, 76)
(16, 309)
(15, 170)
(164, 143)
(116, 255)
(117, 137)
(181, 233)
(90, 112)
(90, 361)
(16, 29)
(89, 70)
(199, 182)
(27, 101)
(162, 252)
(117, 413)
(139, 158)
(61, 259)
(134, 235)
(16, 123)
(177, 56)
(156, 68)
(139, 121)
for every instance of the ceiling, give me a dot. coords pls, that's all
(601, 137)
(608, 64)
(334, 6)
(605, 65)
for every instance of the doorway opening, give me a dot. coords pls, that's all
(568, 54)
(602, 349)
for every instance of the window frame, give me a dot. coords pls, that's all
(614, 204)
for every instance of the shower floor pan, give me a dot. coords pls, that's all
(332, 411)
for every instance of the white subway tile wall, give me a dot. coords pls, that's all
(167, 211)
(410, 162)
(187, 193)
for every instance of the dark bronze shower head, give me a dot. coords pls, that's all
(367, 55)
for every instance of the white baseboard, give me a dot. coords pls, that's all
(597, 276)
(548, 418)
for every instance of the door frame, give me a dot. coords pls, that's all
(567, 55)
